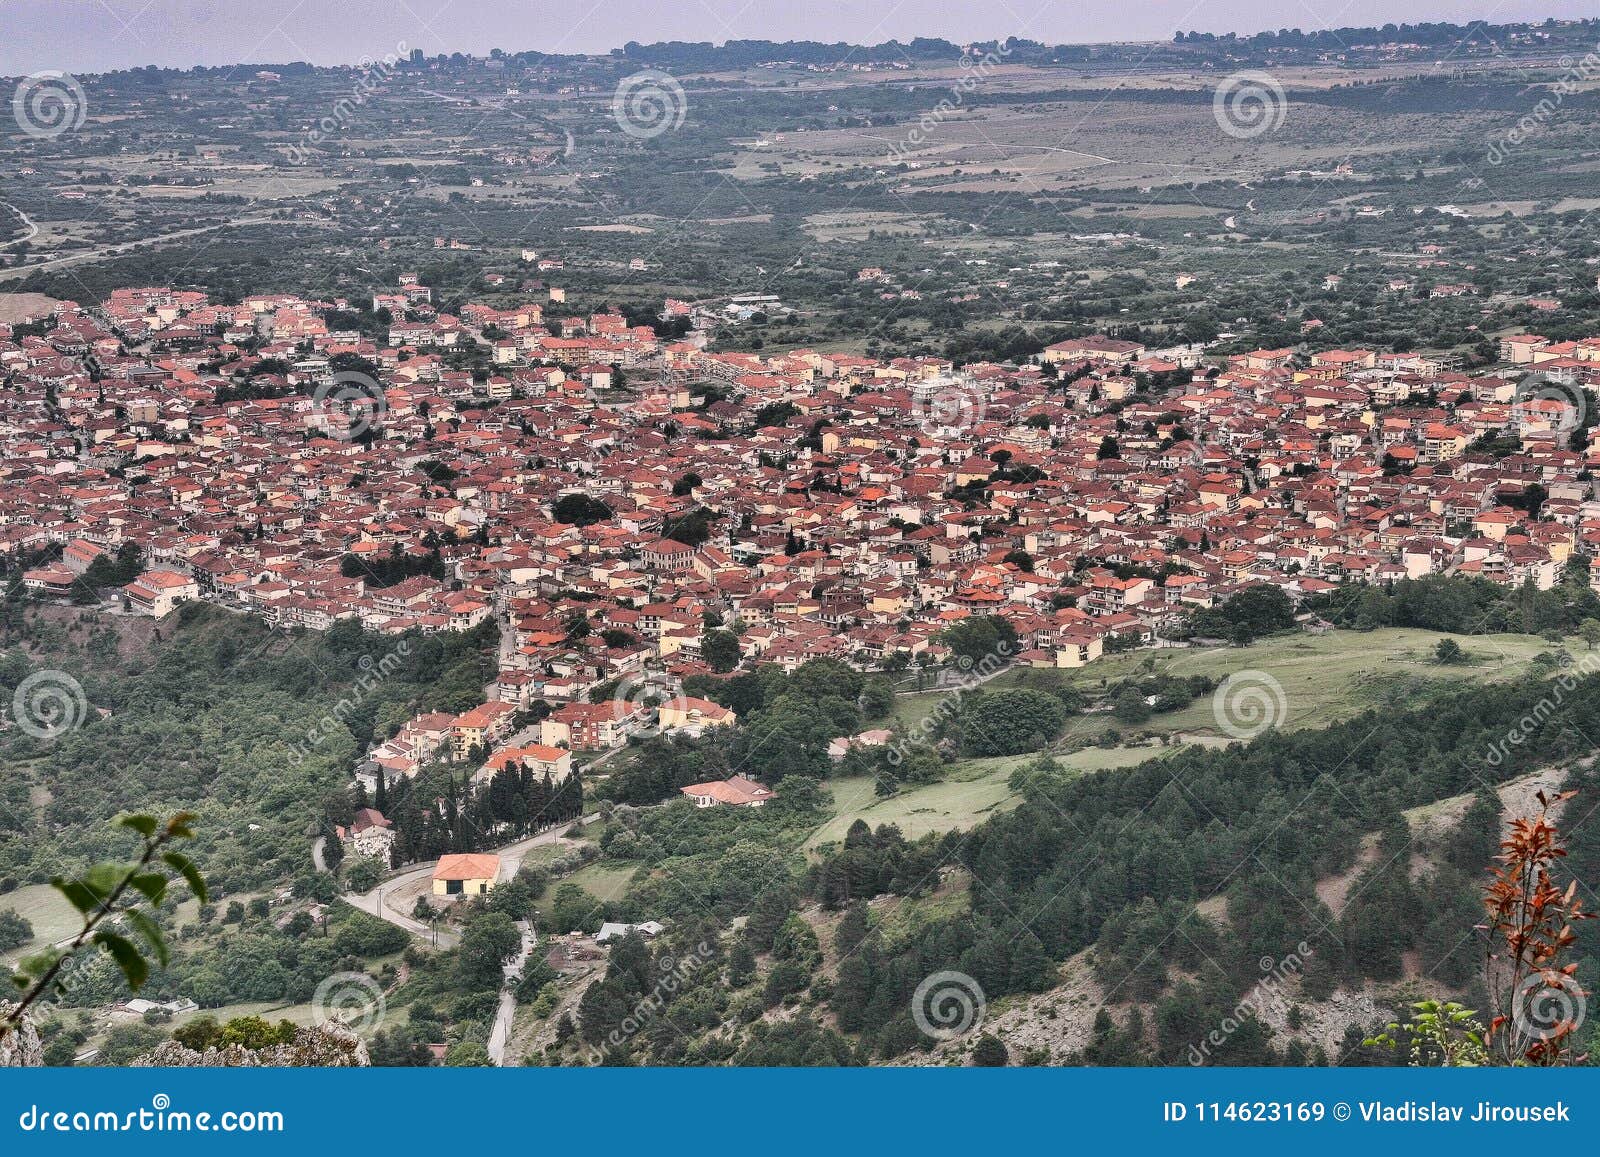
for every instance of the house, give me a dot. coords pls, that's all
(466, 874)
(541, 759)
(1096, 347)
(369, 834)
(612, 931)
(840, 747)
(687, 711)
(79, 556)
(668, 555)
(1077, 650)
(588, 726)
(481, 727)
(157, 592)
(53, 581)
(735, 792)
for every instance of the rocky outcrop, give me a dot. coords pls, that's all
(20, 1046)
(324, 1046)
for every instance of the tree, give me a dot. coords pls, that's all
(877, 698)
(362, 874)
(200, 1034)
(1449, 653)
(721, 650)
(490, 941)
(1130, 706)
(990, 1052)
(125, 1042)
(467, 1054)
(1011, 722)
(15, 930)
(741, 964)
(573, 909)
(1590, 630)
(579, 509)
(981, 638)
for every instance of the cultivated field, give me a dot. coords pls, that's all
(1325, 678)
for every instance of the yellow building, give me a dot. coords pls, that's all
(465, 875)
(686, 711)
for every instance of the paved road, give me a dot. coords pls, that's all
(511, 857)
(33, 228)
(501, 1033)
(129, 246)
(370, 902)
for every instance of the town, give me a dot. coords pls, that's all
(641, 510)
(722, 511)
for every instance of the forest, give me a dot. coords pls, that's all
(1116, 861)
(219, 715)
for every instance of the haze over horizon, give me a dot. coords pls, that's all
(114, 34)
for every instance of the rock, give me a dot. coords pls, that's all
(323, 1046)
(20, 1046)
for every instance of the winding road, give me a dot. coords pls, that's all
(33, 227)
(129, 246)
(511, 857)
(500, 1035)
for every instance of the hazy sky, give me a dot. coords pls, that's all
(93, 35)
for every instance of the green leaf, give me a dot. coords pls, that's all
(152, 884)
(152, 934)
(103, 879)
(78, 894)
(184, 866)
(144, 825)
(134, 969)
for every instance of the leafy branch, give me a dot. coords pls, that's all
(108, 897)
(1530, 922)
(1439, 1033)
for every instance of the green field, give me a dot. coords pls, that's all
(1324, 678)
(973, 790)
(604, 881)
(53, 919)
